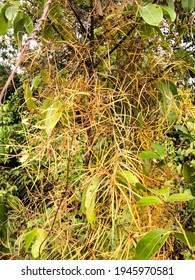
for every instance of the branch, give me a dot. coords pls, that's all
(26, 45)
(79, 20)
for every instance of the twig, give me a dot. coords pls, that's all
(79, 20)
(26, 45)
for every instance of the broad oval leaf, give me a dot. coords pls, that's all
(3, 133)
(2, 150)
(189, 235)
(11, 12)
(188, 173)
(91, 191)
(29, 238)
(126, 176)
(15, 2)
(19, 29)
(188, 4)
(151, 243)
(18, 24)
(163, 192)
(39, 243)
(180, 197)
(28, 24)
(159, 149)
(171, 4)
(151, 13)
(149, 200)
(36, 81)
(53, 115)
(148, 154)
(167, 87)
(48, 32)
(3, 213)
(88, 200)
(4, 22)
(181, 128)
(30, 103)
(170, 12)
(46, 104)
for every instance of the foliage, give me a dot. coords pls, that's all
(101, 127)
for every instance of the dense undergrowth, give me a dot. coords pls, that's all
(96, 163)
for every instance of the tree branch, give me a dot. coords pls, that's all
(79, 20)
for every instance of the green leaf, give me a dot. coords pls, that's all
(30, 103)
(168, 90)
(88, 200)
(146, 31)
(29, 238)
(170, 4)
(149, 200)
(19, 29)
(40, 237)
(181, 128)
(41, 2)
(170, 12)
(180, 197)
(3, 213)
(161, 34)
(151, 243)
(53, 115)
(3, 133)
(188, 4)
(167, 87)
(36, 82)
(48, 32)
(190, 120)
(3, 219)
(2, 150)
(185, 135)
(46, 104)
(11, 12)
(140, 187)
(188, 173)
(151, 13)
(19, 25)
(19, 16)
(190, 237)
(83, 210)
(91, 191)
(164, 192)
(126, 176)
(173, 88)
(165, 45)
(28, 24)
(159, 149)
(15, 3)
(148, 154)
(4, 22)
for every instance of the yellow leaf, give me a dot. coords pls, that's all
(88, 200)
(53, 115)
(126, 176)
